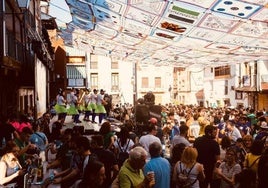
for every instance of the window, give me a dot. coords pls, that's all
(114, 65)
(144, 82)
(157, 82)
(222, 71)
(246, 80)
(76, 82)
(226, 102)
(238, 95)
(247, 68)
(94, 80)
(93, 65)
(115, 82)
(226, 87)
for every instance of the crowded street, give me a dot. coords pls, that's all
(134, 94)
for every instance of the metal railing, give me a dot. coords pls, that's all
(29, 19)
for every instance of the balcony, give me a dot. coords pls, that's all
(152, 89)
(29, 19)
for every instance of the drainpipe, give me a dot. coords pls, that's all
(134, 83)
(256, 94)
(2, 10)
(87, 61)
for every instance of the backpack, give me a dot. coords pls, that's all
(123, 154)
(183, 178)
(247, 176)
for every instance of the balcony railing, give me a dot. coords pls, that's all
(29, 19)
(151, 89)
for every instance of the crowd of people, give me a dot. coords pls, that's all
(190, 146)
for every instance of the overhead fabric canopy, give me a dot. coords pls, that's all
(76, 72)
(171, 32)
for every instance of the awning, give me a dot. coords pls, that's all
(76, 71)
(264, 82)
(264, 85)
(246, 89)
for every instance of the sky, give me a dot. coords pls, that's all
(60, 10)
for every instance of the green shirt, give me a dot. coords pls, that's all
(129, 177)
(107, 139)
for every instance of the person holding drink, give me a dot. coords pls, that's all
(158, 166)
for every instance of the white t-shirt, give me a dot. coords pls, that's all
(234, 135)
(87, 98)
(180, 139)
(93, 98)
(99, 99)
(148, 139)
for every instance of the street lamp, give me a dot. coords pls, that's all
(24, 4)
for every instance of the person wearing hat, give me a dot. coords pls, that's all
(100, 110)
(263, 131)
(93, 104)
(87, 106)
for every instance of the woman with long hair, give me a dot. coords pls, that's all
(108, 135)
(193, 170)
(10, 168)
(94, 176)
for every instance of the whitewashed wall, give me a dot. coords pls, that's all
(40, 88)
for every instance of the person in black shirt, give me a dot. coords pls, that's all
(80, 159)
(208, 154)
(106, 157)
(263, 167)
